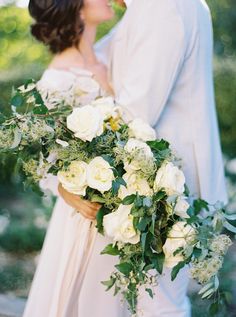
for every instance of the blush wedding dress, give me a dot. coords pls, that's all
(67, 282)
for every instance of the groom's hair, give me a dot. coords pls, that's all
(57, 23)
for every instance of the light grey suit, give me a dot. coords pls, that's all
(160, 61)
(160, 57)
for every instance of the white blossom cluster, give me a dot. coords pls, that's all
(220, 244)
(204, 270)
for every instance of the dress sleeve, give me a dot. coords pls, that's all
(154, 59)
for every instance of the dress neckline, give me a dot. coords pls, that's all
(76, 70)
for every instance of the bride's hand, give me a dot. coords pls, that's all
(84, 207)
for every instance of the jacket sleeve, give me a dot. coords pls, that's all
(155, 55)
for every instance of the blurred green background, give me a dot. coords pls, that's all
(23, 215)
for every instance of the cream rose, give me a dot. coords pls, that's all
(107, 107)
(74, 180)
(134, 184)
(181, 207)
(100, 174)
(141, 130)
(86, 122)
(171, 178)
(179, 236)
(119, 226)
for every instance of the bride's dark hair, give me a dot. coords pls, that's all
(58, 23)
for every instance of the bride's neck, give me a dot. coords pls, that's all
(86, 45)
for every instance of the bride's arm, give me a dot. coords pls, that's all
(86, 208)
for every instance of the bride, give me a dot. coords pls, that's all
(68, 279)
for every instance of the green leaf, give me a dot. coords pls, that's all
(115, 187)
(149, 291)
(100, 215)
(17, 138)
(143, 223)
(176, 270)
(138, 202)
(97, 199)
(159, 145)
(197, 252)
(125, 268)
(40, 109)
(143, 240)
(109, 284)
(229, 227)
(230, 217)
(129, 200)
(159, 196)
(160, 259)
(111, 250)
(17, 100)
(214, 309)
(121, 181)
(199, 205)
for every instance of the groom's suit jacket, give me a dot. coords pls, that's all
(160, 61)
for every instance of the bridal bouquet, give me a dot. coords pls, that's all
(98, 154)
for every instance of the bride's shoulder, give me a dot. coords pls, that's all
(76, 83)
(66, 79)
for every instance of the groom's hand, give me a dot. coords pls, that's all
(84, 207)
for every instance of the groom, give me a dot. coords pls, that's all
(160, 61)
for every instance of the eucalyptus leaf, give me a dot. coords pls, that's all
(229, 227)
(17, 138)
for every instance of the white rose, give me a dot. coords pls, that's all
(74, 180)
(107, 107)
(100, 174)
(144, 152)
(118, 225)
(141, 130)
(86, 89)
(86, 122)
(134, 184)
(171, 178)
(179, 236)
(181, 207)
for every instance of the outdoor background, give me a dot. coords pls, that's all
(24, 216)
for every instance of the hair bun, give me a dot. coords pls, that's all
(57, 23)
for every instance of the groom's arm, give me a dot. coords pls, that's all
(155, 57)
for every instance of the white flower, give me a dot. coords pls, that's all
(86, 122)
(181, 207)
(179, 236)
(118, 225)
(107, 107)
(140, 150)
(74, 180)
(134, 184)
(100, 175)
(86, 89)
(141, 130)
(170, 178)
(62, 143)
